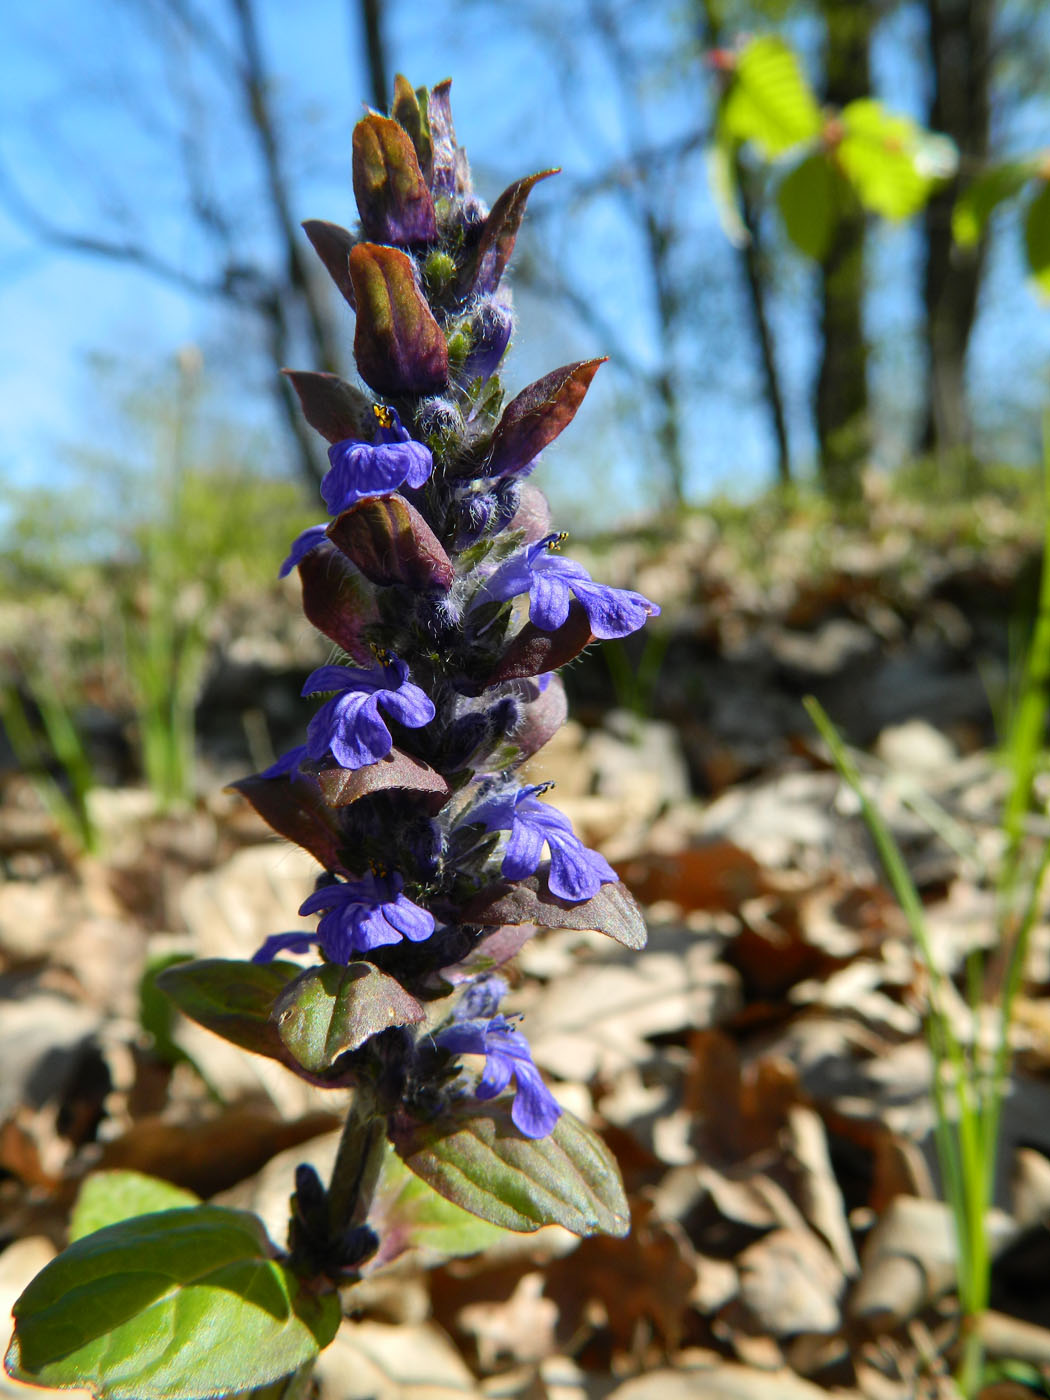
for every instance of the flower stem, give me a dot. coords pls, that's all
(357, 1164)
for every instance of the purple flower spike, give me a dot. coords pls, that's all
(349, 725)
(551, 582)
(576, 873)
(359, 915)
(301, 547)
(363, 469)
(535, 1110)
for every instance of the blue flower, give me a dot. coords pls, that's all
(360, 915)
(301, 547)
(551, 582)
(576, 873)
(363, 469)
(349, 725)
(535, 1109)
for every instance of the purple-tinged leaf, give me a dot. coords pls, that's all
(410, 111)
(475, 1157)
(407, 1214)
(398, 346)
(612, 910)
(541, 719)
(398, 772)
(336, 409)
(533, 515)
(391, 193)
(451, 174)
(332, 245)
(533, 652)
(338, 600)
(331, 1009)
(486, 265)
(537, 416)
(390, 542)
(233, 999)
(296, 809)
(489, 953)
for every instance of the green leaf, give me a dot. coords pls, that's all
(476, 1158)
(106, 1198)
(975, 205)
(891, 162)
(330, 1009)
(407, 1214)
(1037, 237)
(232, 998)
(769, 100)
(808, 202)
(721, 176)
(175, 1305)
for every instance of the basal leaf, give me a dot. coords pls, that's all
(982, 196)
(769, 100)
(808, 203)
(232, 998)
(476, 1158)
(174, 1305)
(331, 1009)
(612, 910)
(1037, 237)
(106, 1198)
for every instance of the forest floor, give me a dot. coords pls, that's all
(760, 1070)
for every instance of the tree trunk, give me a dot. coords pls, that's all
(841, 407)
(371, 12)
(960, 55)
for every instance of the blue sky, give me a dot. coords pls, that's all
(81, 88)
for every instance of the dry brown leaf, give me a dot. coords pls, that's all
(791, 1283)
(520, 1329)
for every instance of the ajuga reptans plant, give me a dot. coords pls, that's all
(451, 605)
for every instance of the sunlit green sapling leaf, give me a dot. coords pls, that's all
(892, 163)
(106, 1198)
(721, 176)
(808, 199)
(477, 1158)
(769, 101)
(1037, 237)
(170, 1306)
(978, 201)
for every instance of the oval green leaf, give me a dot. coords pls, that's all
(232, 998)
(981, 198)
(769, 101)
(1037, 237)
(106, 1198)
(808, 203)
(170, 1306)
(407, 1214)
(476, 1158)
